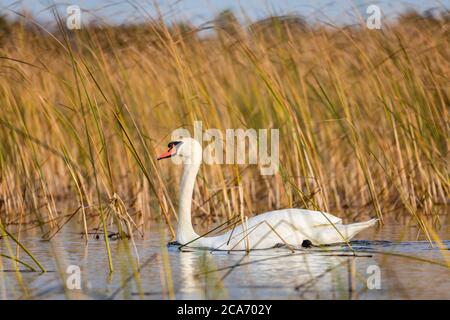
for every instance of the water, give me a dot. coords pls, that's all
(408, 268)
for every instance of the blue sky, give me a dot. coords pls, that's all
(199, 11)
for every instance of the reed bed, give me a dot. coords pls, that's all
(363, 119)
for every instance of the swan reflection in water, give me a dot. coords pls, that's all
(308, 273)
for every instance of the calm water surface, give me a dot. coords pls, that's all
(408, 268)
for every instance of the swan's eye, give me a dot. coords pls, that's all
(174, 144)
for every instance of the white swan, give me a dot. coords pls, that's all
(266, 230)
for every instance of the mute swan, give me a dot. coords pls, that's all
(266, 230)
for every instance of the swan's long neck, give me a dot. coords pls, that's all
(185, 231)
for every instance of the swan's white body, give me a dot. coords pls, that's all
(288, 226)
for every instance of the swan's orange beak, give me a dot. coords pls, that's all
(172, 151)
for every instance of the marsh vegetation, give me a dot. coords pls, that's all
(363, 119)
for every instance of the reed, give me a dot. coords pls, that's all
(363, 118)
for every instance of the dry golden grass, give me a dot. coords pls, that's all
(363, 118)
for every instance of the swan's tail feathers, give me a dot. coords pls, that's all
(353, 229)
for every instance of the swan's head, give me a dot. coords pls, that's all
(185, 150)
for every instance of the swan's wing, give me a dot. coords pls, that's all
(311, 218)
(297, 217)
(290, 225)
